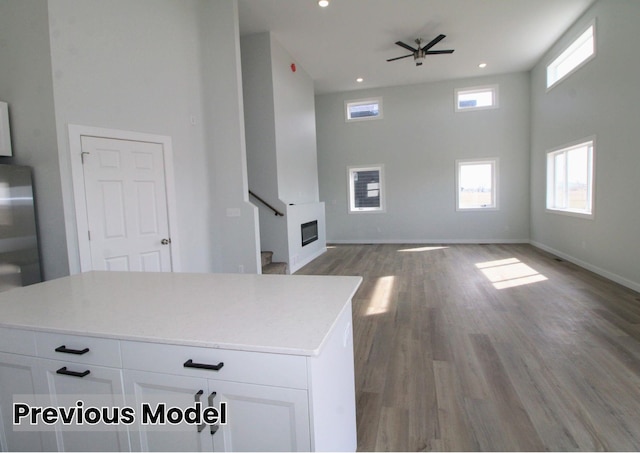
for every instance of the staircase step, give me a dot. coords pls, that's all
(266, 258)
(275, 268)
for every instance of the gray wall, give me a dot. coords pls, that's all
(295, 129)
(602, 99)
(281, 146)
(239, 241)
(146, 66)
(260, 131)
(135, 66)
(26, 84)
(418, 142)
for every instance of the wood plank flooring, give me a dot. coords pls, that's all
(489, 347)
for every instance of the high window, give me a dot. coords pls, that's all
(366, 189)
(477, 184)
(577, 54)
(570, 179)
(363, 109)
(476, 98)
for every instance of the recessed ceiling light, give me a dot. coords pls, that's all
(323, 3)
(482, 65)
(359, 80)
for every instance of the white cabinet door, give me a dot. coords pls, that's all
(261, 418)
(258, 417)
(153, 389)
(100, 387)
(20, 375)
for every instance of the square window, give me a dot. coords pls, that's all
(476, 184)
(366, 189)
(570, 179)
(476, 98)
(578, 53)
(363, 109)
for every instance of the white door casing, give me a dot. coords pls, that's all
(124, 200)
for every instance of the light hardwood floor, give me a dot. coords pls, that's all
(489, 347)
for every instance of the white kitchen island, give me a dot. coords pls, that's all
(273, 354)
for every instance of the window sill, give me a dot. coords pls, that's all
(570, 213)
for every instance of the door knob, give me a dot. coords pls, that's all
(165, 241)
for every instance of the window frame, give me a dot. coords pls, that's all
(550, 183)
(494, 88)
(356, 102)
(495, 165)
(561, 57)
(351, 190)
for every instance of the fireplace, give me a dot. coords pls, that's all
(309, 232)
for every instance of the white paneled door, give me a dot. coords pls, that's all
(126, 205)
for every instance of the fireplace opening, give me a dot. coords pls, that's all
(309, 232)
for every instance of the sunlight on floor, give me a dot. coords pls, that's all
(423, 249)
(509, 273)
(381, 296)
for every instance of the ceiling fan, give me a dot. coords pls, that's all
(419, 53)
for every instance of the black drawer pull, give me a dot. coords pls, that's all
(191, 364)
(66, 372)
(66, 350)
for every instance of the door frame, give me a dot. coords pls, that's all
(76, 132)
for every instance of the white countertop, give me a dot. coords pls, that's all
(286, 314)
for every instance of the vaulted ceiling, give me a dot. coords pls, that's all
(354, 38)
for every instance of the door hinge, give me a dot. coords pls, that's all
(82, 155)
(89, 234)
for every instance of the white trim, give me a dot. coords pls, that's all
(576, 36)
(300, 264)
(75, 147)
(595, 269)
(373, 100)
(477, 89)
(495, 162)
(592, 179)
(350, 195)
(427, 241)
(590, 267)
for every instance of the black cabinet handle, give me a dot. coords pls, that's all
(66, 372)
(191, 364)
(197, 398)
(214, 428)
(66, 350)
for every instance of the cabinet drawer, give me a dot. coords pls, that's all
(79, 349)
(17, 341)
(240, 366)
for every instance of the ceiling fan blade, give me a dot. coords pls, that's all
(400, 58)
(406, 46)
(438, 52)
(433, 42)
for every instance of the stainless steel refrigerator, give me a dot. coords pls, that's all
(19, 256)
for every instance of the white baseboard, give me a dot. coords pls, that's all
(595, 269)
(429, 241)
(299, 265)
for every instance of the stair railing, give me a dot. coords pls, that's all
(277, 213)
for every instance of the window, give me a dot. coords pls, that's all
(363, 109)
(366, 189)
(476, 98)
(574, 56)
(570, 179)
(476, 181)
